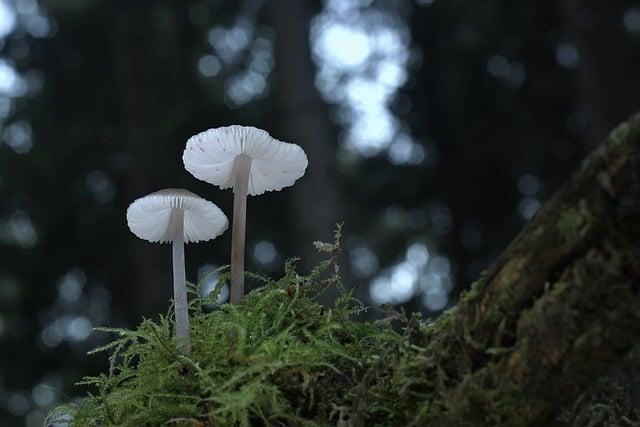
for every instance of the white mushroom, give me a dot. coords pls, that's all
(250, 161)
(177, 216)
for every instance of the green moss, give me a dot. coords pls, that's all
(279, 358)
(608, 402)
(574, 222)
(475, 289)
(620, 133)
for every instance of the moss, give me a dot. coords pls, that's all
(279, 358)
(620, 134)
(625, 131)
(475, 289)
(575, 221)
(607, 402)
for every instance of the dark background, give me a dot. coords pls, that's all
(434, 130)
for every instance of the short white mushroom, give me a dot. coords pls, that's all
(177, 216)
(251, 162)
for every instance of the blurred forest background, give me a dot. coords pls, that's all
(434, 130)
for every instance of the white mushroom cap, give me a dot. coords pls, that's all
(156, 217)
(210, 155)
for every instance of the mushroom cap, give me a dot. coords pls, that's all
(210, 156)
(156, 217)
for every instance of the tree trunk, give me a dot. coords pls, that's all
(557, 309)
(139, 113)
(304, 121)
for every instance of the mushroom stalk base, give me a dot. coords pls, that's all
(180, 294)
(242, 167)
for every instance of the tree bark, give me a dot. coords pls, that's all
(557, 309)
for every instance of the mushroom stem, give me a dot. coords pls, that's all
(242, 167)
(180, 287)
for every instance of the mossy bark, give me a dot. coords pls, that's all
(557, 309)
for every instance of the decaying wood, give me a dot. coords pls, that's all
(557, 309)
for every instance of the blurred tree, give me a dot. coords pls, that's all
(301, 116)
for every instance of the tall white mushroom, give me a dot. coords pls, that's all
(250, 161)
(177, 216)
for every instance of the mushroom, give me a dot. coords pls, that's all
(177, 216)
(251, 162)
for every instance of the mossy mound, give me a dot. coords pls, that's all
(282, 359)
(279, 358)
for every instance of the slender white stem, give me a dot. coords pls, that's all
(180, 287)
(241, 168)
